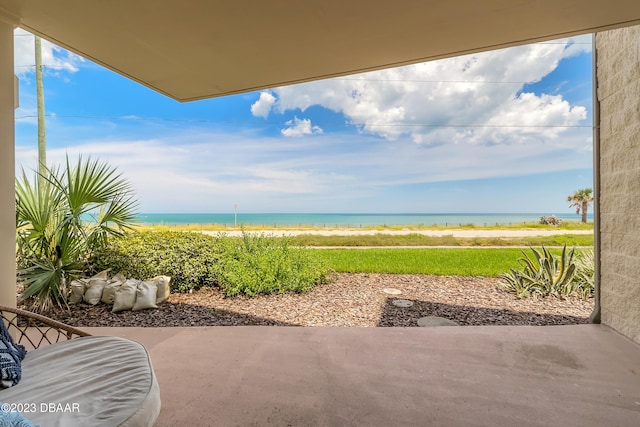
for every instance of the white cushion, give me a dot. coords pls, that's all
(110, 380)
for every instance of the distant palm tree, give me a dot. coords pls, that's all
(581, 200)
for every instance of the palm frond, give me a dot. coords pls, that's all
(90, 183)
(53, 238)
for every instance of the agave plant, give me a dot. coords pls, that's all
(61, 218)
(542, 274)
(516, 283)
(584, 279)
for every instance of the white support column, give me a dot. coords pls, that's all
(7, 170)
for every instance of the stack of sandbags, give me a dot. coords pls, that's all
(131, 294)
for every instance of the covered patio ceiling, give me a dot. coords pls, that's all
(194, 49)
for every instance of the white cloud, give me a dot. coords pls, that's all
(192, 169)
(300, 127)
(200, 171)
(432, 102)
(54, 58)
(207, 171)
(262, 106)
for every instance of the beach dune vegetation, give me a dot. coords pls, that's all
(550, 220)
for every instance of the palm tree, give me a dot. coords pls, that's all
(61, 218)
(581, 200)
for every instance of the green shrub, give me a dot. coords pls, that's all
(544, 274)
(189, 258)
(260, 264)
(584, 279)
(550, 220)
(249, 265)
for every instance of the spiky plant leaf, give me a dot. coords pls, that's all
(542, 274)
(54, 236)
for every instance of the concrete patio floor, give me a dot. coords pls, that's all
(583, 375)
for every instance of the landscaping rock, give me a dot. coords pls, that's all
(428, 321)
(348, 300)
(402, 303)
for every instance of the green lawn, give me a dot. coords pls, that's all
(470, 258)
(438, 261)
(421, 240)
(566, 225)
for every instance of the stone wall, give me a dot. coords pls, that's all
(618, 73)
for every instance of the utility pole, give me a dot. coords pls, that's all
(42, 137)
(235, 215)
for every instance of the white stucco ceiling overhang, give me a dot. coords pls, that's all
(193, 49)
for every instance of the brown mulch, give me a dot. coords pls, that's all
(349, 300)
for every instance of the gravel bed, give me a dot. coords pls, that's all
(349, 300)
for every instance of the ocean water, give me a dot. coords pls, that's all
(346, 219)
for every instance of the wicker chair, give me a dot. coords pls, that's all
(34, 330)
(109, 380)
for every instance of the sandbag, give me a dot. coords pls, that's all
(162, 282)
(118, 278)
(93, 293)
(104, 274)
(125, 296)
(109, 292)
(146, 295)
(78, 287)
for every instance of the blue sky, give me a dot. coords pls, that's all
(502, 131)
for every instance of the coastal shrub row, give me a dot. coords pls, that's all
(252, 264)
(189, 258)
